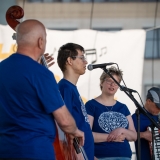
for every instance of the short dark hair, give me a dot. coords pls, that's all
(65, 51)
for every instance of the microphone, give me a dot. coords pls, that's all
(94, 66)
(123, 88)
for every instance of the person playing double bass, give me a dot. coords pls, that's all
(30, 101)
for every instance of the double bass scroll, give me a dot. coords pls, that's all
(13, 13)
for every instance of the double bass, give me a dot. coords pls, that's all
(62, 147)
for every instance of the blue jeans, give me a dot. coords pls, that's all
(114, 158)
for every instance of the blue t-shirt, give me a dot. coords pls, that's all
(28, 96)
(106, 119)
(77, 108)
(144, 124)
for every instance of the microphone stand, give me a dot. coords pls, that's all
(138, 134)
(140, 109)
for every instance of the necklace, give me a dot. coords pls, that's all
(100, 100)
(108, 108)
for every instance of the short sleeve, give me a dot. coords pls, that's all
(66, 93)
(90, 108)
(127, 112)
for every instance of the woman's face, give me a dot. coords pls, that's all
(109, 86)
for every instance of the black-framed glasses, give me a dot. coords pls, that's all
(83, 58)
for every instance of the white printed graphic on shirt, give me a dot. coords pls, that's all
(84, 110)
(109, 121)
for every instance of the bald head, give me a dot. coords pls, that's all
(29, 31)
(31, 36)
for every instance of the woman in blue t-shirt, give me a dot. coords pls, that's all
(111, 122)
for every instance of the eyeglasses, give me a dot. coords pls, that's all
(83, 58)
(110, 82)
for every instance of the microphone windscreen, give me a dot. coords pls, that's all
(90, 67)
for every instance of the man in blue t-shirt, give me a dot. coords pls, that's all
(72, 62)
(30, 100)
(152, 106)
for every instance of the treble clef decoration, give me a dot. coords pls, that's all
(63, 149)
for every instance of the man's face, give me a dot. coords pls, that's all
(79, 63)
(152, 108)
